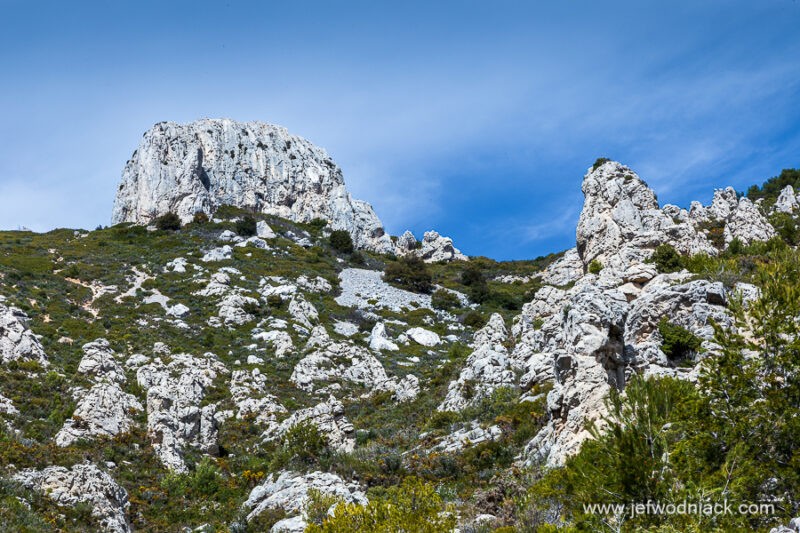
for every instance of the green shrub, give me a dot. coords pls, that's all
(168, 222)
(595, 266)
(679, 343)
(666, 259)
(341, 241)
(246, 226)
(444, 299)
(412, 506)
(410, 273)
(303, 446)
(318, 223)
(473, 319)
(599, 162)
(200, 218)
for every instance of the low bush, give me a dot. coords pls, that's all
(246, 226)
(341, 241)
(410, 273)
(445, 300)
(168, 222)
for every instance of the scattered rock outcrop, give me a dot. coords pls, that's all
(199, 166)
(83, 483)
(487, 368)
(328, 417)
(289, 492)
(175, 418)
(17, 341)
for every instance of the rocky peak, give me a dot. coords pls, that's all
(619, 211)
(196, 167)
(433, 247)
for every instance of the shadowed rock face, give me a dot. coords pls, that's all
(197, 167)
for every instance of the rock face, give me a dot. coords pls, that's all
(197, 167)
(175, 418)
(17, 342)
(83, 483)
(585, 333)
(621, 222)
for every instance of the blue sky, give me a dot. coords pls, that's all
(477, 119)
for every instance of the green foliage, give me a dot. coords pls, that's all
(595, 266)
(246, 226)
(341, 241)
(786, 226)
(168, 222)
(715, 232)
(318, 223)
(410, 273)
(473, 319)
(666, 259)
(599, 162)
(200, 218)
(679, 343)
(771, 189)
(302, 447)
(413, 506)
(445, 300)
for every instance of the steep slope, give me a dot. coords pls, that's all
(199, 166)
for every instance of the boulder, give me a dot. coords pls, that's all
(17, 342)
(379, 341)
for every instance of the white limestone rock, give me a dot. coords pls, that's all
(423, 336)
(378, 340)
(196, 167)
(365, 289)
(621, 222)
(406, 244)
(466, 437)
(347, 329)
(229, 236)
(175, 419)
(249, 393)
(437, 248)
(232, 309)
(289, 492)
(407, 389)
(302, 311)
(328, 417)
(17, 341)
(218, 285)
(487, 368)
(315, 284)
(574, 338)
(329, 361)
(787, 201)
(105, 410)
(83, 483)
(264, 231)
(564, 270)
(217, 254)
(693, 305)
(100, 362)
(280, 341)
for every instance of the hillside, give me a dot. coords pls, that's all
(233, 368)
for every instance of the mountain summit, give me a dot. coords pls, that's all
(199, 166)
